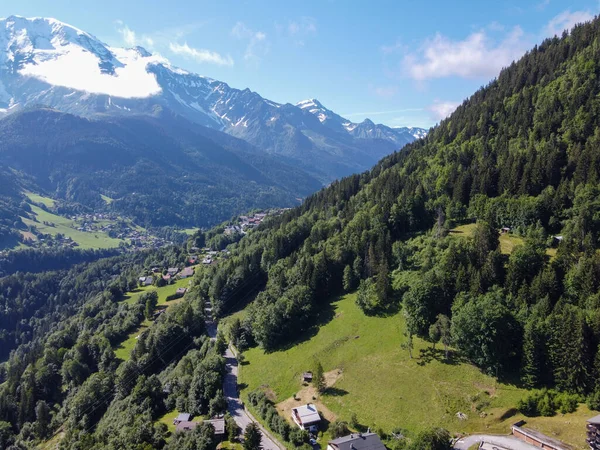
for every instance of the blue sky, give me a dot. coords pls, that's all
(402, 63)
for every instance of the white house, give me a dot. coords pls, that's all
(306, 417)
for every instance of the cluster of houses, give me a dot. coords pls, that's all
(246, 223)
(209, 255)
(171, 274)
(183, 422)
(47, 240)
(308, 418)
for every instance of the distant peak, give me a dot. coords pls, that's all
(310, 103)
(142, 52)
(368, 121)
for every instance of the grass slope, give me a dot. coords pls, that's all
(387, 389)
(36, 198)
(123, 350)
(63, 226)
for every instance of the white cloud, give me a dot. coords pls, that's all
(201, 55)
(257, 43)
(440, 110)
(78, 69)
(566, 21)
(542, 5)
(131, 39)
(303, 26)
(475, 56)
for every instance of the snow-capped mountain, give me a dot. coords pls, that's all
(47, 62)
(364, 130)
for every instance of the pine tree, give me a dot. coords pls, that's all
(319, 378)
(252, 437)
(532, 355)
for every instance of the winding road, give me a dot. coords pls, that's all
(230, 389)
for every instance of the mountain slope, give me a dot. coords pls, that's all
(47, 62)
(160, 170)
(520, 153)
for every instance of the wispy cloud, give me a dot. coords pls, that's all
(542, 5)
(475, 56)
(566, 21)
(383, 91)
(439, 110)
(303, 26)
(200, 55)
(381, 113)
(257, 44)
(130, 38)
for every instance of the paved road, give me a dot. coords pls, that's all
(509, 442)
(230, 387)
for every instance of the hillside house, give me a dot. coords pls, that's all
(172, 271)
(306, 417)
(182, 417)
(180, 292)
(186, 426)
(593, 432)
(357, 441)
(207, 260)
(193, 259)
(536, 438)
(146, 281)
(187, 272)
(219, 426)
(307, 377)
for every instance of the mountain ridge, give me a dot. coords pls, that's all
(48, 62)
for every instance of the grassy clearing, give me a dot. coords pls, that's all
(52, 444)
(36, 198)
(168, 419)
(62, 225)
(508, 242)
(385, 388)
(230, 446)
(106, 199)
(123, 350)
(190, 231)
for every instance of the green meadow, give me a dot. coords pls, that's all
(385, 388)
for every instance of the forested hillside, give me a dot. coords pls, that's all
(521, 153)
(160, 170)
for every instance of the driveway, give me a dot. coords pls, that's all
(230, 387)
(508, 442)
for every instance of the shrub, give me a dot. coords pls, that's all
(593, 400)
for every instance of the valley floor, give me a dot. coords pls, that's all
(372, 376)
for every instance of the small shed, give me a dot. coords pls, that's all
(307, 377)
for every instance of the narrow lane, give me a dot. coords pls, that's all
(230, 387)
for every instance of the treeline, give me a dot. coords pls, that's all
(520, 153)
(43, 260)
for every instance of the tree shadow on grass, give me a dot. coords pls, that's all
(322, 316)
(426, 355)
(335, 392)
